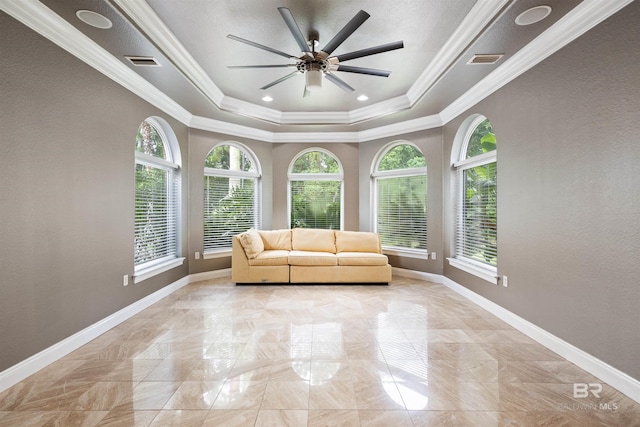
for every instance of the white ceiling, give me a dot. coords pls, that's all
(429, 82)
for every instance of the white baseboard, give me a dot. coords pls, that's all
(209, 275)
(596, 367)
(610, 375)
(33, 364)
(420, 275)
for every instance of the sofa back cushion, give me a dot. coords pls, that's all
(251, 243)
(313, 239)
(276, 240)
(358, 241)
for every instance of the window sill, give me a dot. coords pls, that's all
(403, 252)
(217, 254)
(154, 270)
(484, 272)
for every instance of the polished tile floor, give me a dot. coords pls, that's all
(412, 353)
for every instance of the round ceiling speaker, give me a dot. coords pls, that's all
(94, 19)
(533, 15)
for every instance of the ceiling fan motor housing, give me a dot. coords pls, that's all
(305, 66)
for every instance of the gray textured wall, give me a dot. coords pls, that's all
(568, 194)
(67, 194)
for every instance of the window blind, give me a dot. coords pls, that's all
(155, 224)
(402, 211)
(316, 204)
(230, 207)
(476, 228)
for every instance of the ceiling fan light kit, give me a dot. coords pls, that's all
(313, 80)
(314, 65)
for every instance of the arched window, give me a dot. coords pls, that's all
(476, 244)
(400, 198)
(231, 195)
(315, 190)
(157, 198)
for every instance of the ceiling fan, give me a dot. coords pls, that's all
(314, 64)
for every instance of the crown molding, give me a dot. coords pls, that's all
(578, 21)
(42, 20)
(153, 27)
(218, 126)
(582, 18)
(469, 29)
(401, 128)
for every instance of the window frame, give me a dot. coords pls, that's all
(171, 165)
(376, 175)
(459, 164)
(291, 176)
(255, 174)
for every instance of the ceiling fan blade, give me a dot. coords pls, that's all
(338, 82)
(262, 66)
(294, 28)
(259, 46)
(345, 32)
(370, 51)
(280, 80)
(362, 70)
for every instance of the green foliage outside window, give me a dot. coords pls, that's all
(228, 157)
(483, 140)
(315, 203)
(150, 214)
(315, 162)
(403, 156)
(402, 212)
(480, 199)
(148, 141)
(152, 223)
(401, 217)
(229, 201)
(229, 209)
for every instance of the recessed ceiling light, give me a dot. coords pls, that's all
(362, 98)
(267, 98)
(94, 19)
(533, 15)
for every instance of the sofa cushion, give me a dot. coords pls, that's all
(251, 243)
(313, 239)
(357, 241)
(312, 258)
(276, 239)
(275, 257)
(361, 258)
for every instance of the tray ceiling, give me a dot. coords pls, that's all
(430, 79)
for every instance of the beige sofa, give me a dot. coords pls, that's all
(303, 255)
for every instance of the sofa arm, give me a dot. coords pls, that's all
(239, 262)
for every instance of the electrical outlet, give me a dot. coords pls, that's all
(433, 255)
(505, 281)
(197, 255)
(125, 280)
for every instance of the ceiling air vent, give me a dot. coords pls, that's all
(143, 61)
(485, 59)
